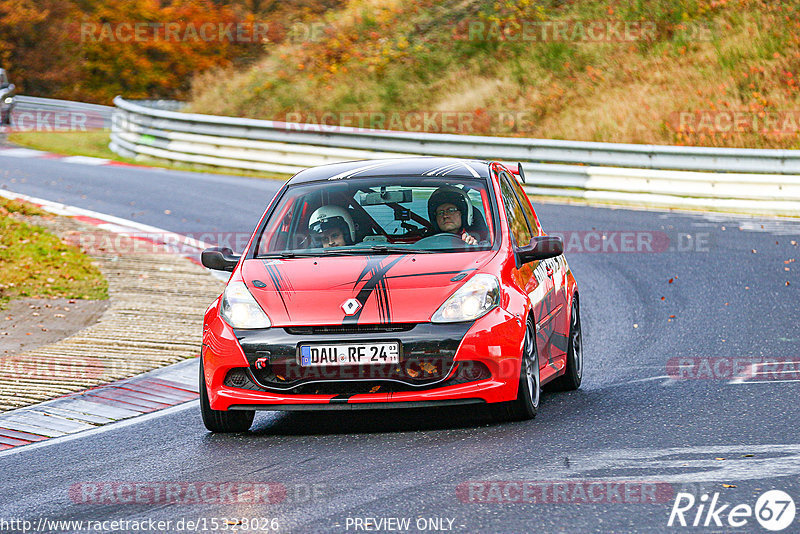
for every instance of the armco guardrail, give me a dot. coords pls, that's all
(36, 113)
(55, 104)
(645, 174)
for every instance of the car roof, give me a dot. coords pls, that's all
(409, 166)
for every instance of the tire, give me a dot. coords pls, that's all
(222, 420)
(571, 379)
(525, 406)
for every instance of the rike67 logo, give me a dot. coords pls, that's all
(774, 510)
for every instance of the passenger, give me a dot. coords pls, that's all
(333, 226)
(450, 211)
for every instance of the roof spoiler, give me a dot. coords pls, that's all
(519, 171)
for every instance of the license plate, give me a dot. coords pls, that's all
(349, 354)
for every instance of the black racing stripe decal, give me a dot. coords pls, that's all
(340, 399)
(280, 283)
(382, 298)
(374, 280)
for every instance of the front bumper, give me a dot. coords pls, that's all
(456, 363)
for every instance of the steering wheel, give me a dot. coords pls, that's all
(442, 239)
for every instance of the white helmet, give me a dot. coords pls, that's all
(332, 216)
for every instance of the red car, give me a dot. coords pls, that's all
(414, 282)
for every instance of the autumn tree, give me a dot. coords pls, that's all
(91, 50)
(35, 46)
(140, 49)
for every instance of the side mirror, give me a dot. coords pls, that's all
(219, 259)
(541, 248)
(518, 172)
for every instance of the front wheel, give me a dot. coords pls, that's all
(222, 420)
(526, 404)
(571, 379)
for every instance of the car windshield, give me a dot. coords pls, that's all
(385, 215)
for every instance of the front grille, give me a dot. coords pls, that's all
(427, 353)
(468, 371)
(287, 373)
(348, 329)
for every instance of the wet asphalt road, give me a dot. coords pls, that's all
(636, 424)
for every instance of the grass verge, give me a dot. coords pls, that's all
(94, 143)
(35, 263)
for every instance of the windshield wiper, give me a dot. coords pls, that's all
(380, 249)
(388, 249)
(287, 254)
(340, 251)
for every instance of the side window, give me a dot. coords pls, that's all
(526, 206)
(516, 217)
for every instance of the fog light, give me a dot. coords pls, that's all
(236, 377)
(473, 371)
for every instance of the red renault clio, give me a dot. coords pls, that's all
(413, 282)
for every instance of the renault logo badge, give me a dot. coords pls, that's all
(351, 306)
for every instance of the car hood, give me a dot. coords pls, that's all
(386, 288)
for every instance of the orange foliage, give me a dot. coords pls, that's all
(141, 50)
(93, 51)
(32, 44)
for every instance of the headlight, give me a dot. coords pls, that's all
(240, 309)
(474, 299)
(8, 100)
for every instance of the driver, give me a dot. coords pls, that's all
(450, 211)
(333, 226)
